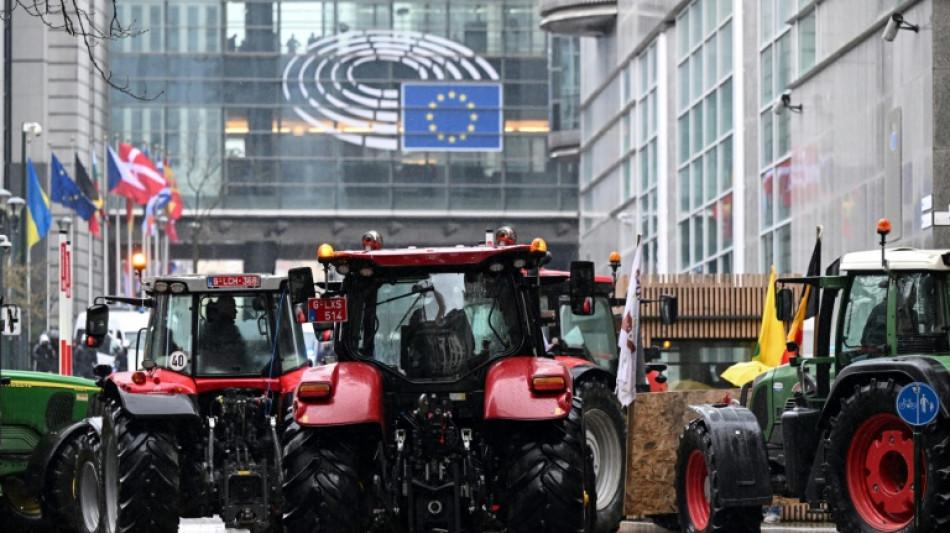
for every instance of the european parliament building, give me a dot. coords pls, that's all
(291, 123)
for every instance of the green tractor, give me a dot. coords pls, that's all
(826, 429)
(41, 426)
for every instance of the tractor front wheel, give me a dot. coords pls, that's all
(88, 475)
(606, 436)
(869, 465)
(545, 475)
(140, 474)
(698, 485)
(58, 500)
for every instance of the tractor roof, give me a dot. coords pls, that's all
(218, 282)
(428, 257)
(897, 259)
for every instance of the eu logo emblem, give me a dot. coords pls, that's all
(451, 117)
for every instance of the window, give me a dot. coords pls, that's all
(704, 121)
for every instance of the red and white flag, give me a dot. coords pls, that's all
(630, 336)
(140, 179)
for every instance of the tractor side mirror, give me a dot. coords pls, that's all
(783, 304)
(301, 285)
(97, 324)
(582, 288)
(669, 309)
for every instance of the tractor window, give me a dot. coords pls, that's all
(595, 333)
(437, 327)
(225, 334)
(170, 334)
(921, 320)
(865, 318)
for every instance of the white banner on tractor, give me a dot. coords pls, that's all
(629, 336)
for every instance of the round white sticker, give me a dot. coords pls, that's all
(178, 360)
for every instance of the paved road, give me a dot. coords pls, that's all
(214, 525)
(789, 527)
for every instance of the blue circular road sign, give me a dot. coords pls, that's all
(918, 403)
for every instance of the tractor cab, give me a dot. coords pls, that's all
(217, 325)
(431, 314)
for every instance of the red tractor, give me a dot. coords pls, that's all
(194, 431)
(443, 411)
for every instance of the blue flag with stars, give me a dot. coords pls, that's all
(64, 190)
(451, 117)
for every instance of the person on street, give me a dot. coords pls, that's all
(84, 359)
(44, 357)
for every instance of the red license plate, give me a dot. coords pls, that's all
(234, 282)
(327, 309)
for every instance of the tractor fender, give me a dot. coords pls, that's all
(49, 446)
(905, 370)
(356, 395)
(509, 396)
(590, 371)
(739, 452)
(153, 405)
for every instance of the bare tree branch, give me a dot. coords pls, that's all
(78, 22)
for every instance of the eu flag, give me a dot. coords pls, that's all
(451, 116)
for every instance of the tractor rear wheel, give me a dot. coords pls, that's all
(698, 485)
(869, 465)
(323, 491)
(606, 436)
(88, 477)
(140, 474)
(545, 475)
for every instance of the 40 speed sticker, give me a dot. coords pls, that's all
(178, 360)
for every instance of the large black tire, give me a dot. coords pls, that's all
(698, 486)
(20, 512)
(544, 474)
(668, 521)
(140, 474)
(607, 438)
(868, 465)
(323, 492)
(88, 476)
(58, 499)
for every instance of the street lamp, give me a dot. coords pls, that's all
(10, 209)
(29, 128)
(5, 246)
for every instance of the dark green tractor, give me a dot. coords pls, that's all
(41, 423)
(825, 429)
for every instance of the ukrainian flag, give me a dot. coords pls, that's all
(38, 216)
(451, 116)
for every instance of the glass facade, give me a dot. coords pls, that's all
(296, 104)
(775, 67)
(705, 141)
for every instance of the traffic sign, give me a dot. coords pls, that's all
(918, 403)
(11, 320)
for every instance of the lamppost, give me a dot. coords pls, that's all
(35, 129)
(65, 297)
(10, 209)
(5, 246)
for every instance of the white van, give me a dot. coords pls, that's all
(124, 326)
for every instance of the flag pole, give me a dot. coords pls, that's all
(118, 239)
(46, 246)
(104, 195)
(642, 384)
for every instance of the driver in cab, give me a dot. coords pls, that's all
(221, 340)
